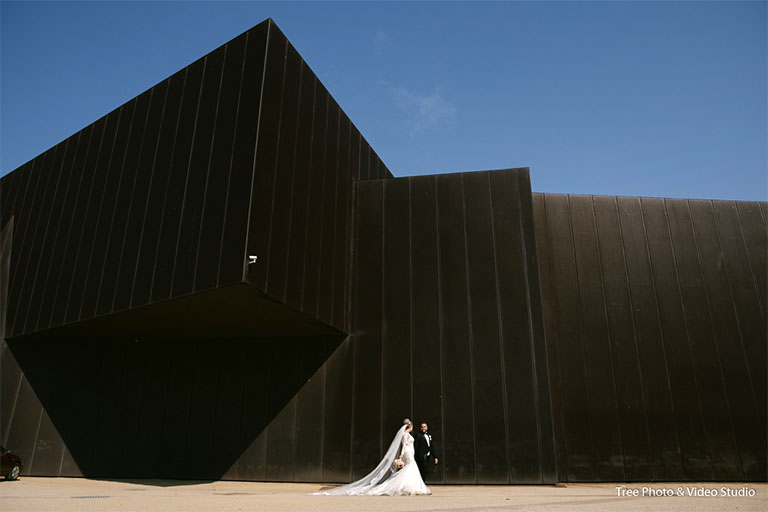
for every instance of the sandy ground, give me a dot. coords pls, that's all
(30, 494)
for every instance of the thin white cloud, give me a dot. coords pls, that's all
(424, 112)
(380, 42)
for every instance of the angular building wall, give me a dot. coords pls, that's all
(655, 317)
(221, 279)
(449, 328)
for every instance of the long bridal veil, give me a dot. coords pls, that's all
(375, 477)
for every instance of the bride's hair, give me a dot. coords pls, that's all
(406, 421)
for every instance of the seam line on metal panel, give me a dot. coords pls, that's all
(469, 325)
(231, 160)
(634, 336)
(244, 262)
(433, 179)
(275, 169)
(322, 207)
(309, 196)
(610, 336)
(755, 279)
(293, 179)
(556, 342)
(581, 335)
(505, 405)
(529, 313)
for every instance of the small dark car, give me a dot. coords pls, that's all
(10, 464)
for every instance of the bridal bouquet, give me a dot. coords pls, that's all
(398, 463)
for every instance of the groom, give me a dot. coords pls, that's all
(425, 451)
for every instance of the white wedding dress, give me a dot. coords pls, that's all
(386, 479)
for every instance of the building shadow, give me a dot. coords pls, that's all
(169, 412)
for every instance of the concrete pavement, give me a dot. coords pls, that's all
(34, 494)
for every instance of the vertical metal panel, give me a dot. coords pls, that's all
(174, 196)
(395, 308)
(219, 168)
(756, 240)
(301, 180)
(343, 215)
(425, 313)
(46, 378)
(338, 410)
(91, 219)
(131, 398)
(77, 414)
(316, 203)
(597, 347)
(142, 188)
(23, 277)
(282, 407)
(233, 247)
(74, 235)
(366, 414)
(48, 449)
(308, 452)
(683, 382)
(550, 328)
(749, 313)
(178, 406)
(579, 441)
(484, 320)
(724, 452)
(202, 413)
(153, 406)
(105, 453)
(267, 146)
(282, 200)
(329, 228)
(117, 227)
(459, 428)
(53, 273)
(197, 174)
(109, 198)
(547, 463)
(22, 432)
(662, 426)
(10, 380)
(729, 339)
(638, 460)
(354, 173)
(155, 207)
(227, 409)
(255, 410)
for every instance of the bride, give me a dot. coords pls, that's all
(386, 478)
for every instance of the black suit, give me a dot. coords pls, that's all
(425, 452)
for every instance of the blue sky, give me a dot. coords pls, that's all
(625, 98)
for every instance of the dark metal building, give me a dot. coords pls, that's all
(221, 279)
